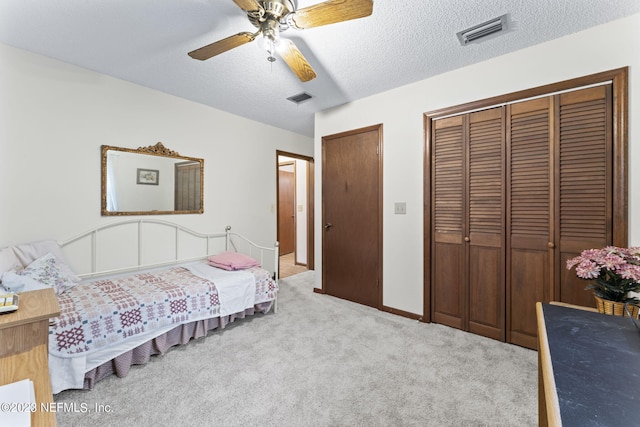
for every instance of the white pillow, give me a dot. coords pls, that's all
(41, 273)
(9, 260)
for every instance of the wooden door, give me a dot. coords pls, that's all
(351, 215)
(585, 183)
(448, 264)
(286, 211)
(485, 219)
(468, 211)
(530, 216)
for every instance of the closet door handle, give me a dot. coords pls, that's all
(467, 239)
(551, 245)
(328, 226)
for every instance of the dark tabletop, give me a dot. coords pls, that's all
(596, 366)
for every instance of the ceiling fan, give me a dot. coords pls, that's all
(274, 16)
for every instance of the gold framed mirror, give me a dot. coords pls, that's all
(151, 180)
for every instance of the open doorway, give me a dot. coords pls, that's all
(294, 212)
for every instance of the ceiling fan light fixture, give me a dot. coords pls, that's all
(270, 45)
(270, 38)
(271, 17)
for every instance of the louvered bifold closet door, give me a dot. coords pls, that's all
(448, 195)
(585, 182)
(187, 186)
(485, 238)
(529, 216)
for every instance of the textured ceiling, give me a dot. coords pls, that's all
(146, 42)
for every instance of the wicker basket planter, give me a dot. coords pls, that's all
(615, 308)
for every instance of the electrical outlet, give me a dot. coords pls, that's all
(400, 208)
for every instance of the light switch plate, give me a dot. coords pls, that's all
(400, 208)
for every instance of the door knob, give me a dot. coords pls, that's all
(328, 226)
(467, 239)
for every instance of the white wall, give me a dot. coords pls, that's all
(54, 117)
(601, 48)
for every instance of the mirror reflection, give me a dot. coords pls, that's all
(150, 181)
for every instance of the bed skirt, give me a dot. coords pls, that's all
(179, 335)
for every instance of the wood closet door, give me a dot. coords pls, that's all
(448, 263)
(585, 185)
(565, 157)
(468, 249)
(529, 216)
(485, 219)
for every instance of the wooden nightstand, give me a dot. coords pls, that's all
(24, 351)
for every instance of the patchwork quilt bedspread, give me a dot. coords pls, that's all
(96, 314)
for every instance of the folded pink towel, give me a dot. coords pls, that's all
(232, 261)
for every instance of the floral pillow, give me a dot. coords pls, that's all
(41, 273)
(29, 252)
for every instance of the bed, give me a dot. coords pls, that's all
(132, 289)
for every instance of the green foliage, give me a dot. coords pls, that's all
(612, 287)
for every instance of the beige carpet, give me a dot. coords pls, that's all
(321, 361)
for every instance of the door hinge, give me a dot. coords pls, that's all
(377, 150)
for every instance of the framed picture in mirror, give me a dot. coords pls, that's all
(147, 176)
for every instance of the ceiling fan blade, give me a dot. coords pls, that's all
(222, 46)
(295, 60)
(247, 5)
(330, 12)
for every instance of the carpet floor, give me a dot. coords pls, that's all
(320, 361)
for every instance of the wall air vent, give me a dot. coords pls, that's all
(300, 98)
(482, 30)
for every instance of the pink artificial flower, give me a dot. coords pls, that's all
(630, 272)
(573, 261)
(593, 254)
(611, 261)
(587, 269)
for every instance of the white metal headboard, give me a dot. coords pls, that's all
(180, 233)
(252, 249)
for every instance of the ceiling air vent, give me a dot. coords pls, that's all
(300, 98)
(482, 30)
